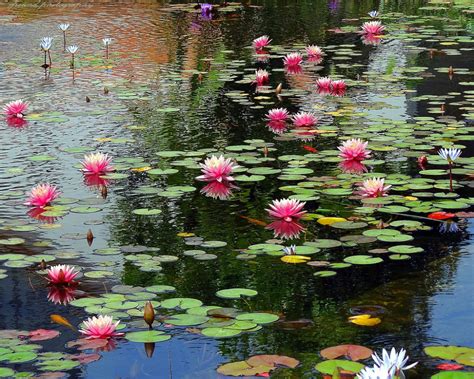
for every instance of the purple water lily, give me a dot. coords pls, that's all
(206, 10)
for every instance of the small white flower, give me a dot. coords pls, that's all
(72, 49)
(107, 41)
(450, 154)
(373, 14)
(395, 360)
(63, 27)
(46, 43)
(290, 250)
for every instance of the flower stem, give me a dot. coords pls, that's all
(450, 177)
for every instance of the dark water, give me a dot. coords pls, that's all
(156, 56)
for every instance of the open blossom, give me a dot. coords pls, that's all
(313, 51)
(261, 42)
(42, 195)
(286, 209)
(304, 119)
(293, 59)
(372, 27)
(285, 230)
(354, 149)
(449, 154)
(217, 169)
(324, 84)
(261, 77)
(218, 190)
(206, 9)
(373, 14)
(338, 88)
(15, 108)
(72, 49)
(46, 43)
(61, 274)
(397, 361)
(376, 372)
(374, 187)
(100, 327)
(107, 41)
(96, 163)
(277, 114)
(290, 250)
(63, 27)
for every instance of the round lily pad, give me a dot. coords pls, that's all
(236, 293)
(147, 336)
(220, 332)
(362, 260)
(258, 318)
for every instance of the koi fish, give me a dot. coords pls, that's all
(310, 148)
(61, 321)
(254, 221)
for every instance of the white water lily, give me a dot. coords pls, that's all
(72, 49)
(107, 41)
(397, 361)
(64, 27)
(450, 154)
(290, 250)
(373, 14)
(377, 372)
(46, 43)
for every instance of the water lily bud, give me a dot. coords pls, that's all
(149, 314)
(89, 237)
(279, 88)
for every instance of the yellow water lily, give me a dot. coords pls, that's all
(365, 320)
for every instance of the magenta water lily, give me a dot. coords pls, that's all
(286, 209)
(16, 109)
(42, 195)
(261, 77)
(217, 169)
(261, 42)
(102, 327)
(62, 274)
(277, 114)
(372, 27)
(293, 60)
(304, 119)
(354, 149)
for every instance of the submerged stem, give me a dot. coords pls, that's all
(450, 177)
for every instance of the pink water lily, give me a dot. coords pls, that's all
(217, 169)
(324, 84)
(15, 108)
(42, 195)
(304, 119)
(101, 327)
(372, 27)
(338, 88)
(313, 51)
(293, 59)
(277, 114)
(286, 209)
(261, 42)
(62, 274)
(97, 163)
(374, 187)
(261, 77)
(354, 149)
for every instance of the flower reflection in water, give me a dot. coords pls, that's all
(16, 122)
(277, 127)
(37, 214)
(219, 190)
(352, 166)
(62, 294)
(95, 180)
(285, 230)
(371, 39)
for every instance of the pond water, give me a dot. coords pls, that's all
(177, 87)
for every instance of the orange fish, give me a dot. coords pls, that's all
(254, 221)
(61, 321)
(310, 148)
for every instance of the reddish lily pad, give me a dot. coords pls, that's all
(352, 352)
(43, 334)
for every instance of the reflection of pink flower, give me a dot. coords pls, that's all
(354, 149)
(217, 169)
(294, 70)
(97, 163)
(15, 108)
(37, 214)
(218, 190)
(261, 77)
(305, 135)
(293, 59)
(277, 127)
(338, 88)
(42, 194)
(16, 122)
(304, 119)
(285, 230)
(277, 114)
(374, 187)
(262, 56)
(314, 51)
(94, 180)
(61, 274)
(286, 209)
(372, 27)
(100, 327)
(371, 39)
(316, 60)
(61, 294)
(261, 42)
(352, 167)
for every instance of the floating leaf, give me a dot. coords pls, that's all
(331, 366)
(352, 352)
(236, 293)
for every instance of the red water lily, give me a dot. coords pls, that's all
(441, 215)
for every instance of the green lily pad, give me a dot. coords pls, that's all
(258, 318)
(186, 320)
(236, 293)
(362, 260)
(330, 366)
(146, 211)
(220, 332)
(181, 303)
